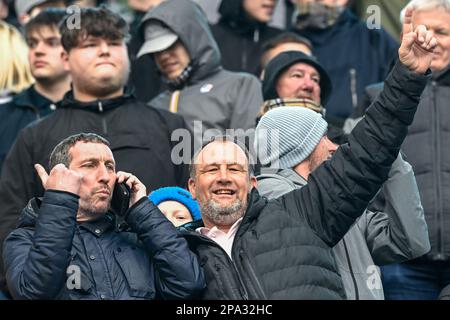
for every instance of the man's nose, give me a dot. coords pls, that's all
(103, 174)
(308, 84)
(39, 48)
(104, 48)
(224, 174)
(332, 147)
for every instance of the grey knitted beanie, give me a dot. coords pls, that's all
(286, 136)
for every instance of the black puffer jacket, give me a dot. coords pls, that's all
(282, 249)
(49, 251)
(427, 149)
(139, 137)
(240, 39)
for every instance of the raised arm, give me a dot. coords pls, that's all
(36, 262)
(339, 190)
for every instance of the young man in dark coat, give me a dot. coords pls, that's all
(241, 32)
(67, 245)
(251, 248)
(140, 136)
(51, 75)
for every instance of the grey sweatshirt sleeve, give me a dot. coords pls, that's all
(400, 232)
(273, 186)
(247, 100)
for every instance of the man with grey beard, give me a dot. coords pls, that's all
(96, 55)
(252, 248)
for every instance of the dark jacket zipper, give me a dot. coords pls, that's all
(351, 270)
(353, 87)
(105, 127)
(244, 55)
(252, 275)
(439, 222)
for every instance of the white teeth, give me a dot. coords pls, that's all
(224, 192)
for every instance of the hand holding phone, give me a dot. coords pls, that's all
(137, 189)
(120, 200)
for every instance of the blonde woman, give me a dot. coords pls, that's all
(15, 74)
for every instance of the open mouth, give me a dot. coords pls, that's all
(224, 192)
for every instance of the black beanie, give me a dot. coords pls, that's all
(283, 61)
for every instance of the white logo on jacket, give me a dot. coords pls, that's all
(206, 88)
(374, 279)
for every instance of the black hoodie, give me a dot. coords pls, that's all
(239, 38)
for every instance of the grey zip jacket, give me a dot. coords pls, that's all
(398, 234)
(220, 99)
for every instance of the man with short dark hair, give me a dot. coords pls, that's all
(67, 245)
(140, 136)
(51, 75)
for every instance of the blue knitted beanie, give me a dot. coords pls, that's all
(176, 194)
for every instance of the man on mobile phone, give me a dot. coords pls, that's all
(96, 55)
(66, 246)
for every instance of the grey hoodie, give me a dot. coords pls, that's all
(220, 99)
(377, 238)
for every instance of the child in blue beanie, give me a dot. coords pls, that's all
(176, 204)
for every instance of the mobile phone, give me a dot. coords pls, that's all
(120, 199)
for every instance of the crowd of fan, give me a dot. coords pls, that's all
(301, 172)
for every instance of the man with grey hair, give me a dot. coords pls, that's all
(426, 147)
(71, 233)
(281, 249)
